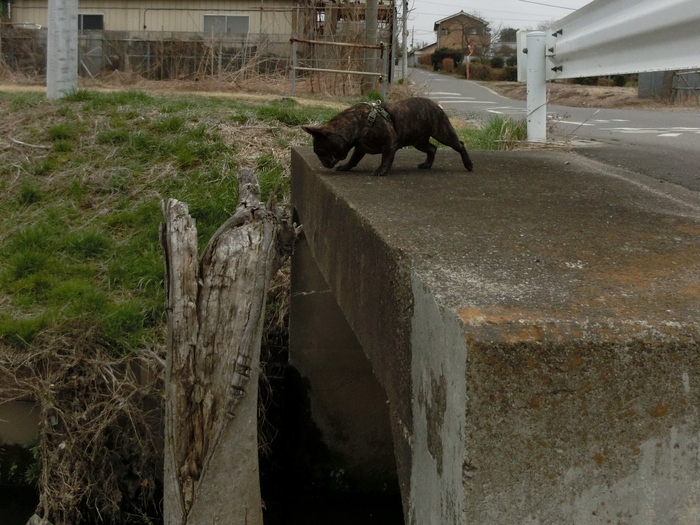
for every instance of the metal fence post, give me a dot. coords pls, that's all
(385, 70)
(219, 75)
(536, 87)
(294, 67)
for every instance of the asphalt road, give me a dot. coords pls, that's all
(661, 145)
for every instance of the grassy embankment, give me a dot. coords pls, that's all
(80, 183)
(81, 270)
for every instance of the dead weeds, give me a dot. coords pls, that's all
(100, 420)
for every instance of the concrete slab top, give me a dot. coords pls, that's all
(536, 240)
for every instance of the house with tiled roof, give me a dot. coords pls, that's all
(461, 30)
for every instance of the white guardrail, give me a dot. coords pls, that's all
(607, 37)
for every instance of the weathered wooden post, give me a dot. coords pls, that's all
(216, 308)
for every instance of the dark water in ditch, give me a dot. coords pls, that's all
(17, 504)
(299, 479)
(361, 510)
(299, 475)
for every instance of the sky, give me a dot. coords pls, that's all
(519, 14)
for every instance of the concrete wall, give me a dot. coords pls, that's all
(534, 326)
(439, 379)
(349, 406)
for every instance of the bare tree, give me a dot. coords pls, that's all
(479, 41)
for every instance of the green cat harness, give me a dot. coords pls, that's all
(376, 109)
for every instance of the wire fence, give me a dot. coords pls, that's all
(196, 56)
(154, 55)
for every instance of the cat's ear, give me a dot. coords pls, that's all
(315, 131)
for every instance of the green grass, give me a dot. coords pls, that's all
(29, 193)
(20, 332)
(80, 257)
(499, 133)
(63, 131)
(371, 96)
(289, 112)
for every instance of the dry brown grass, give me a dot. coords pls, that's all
(575, 95)
(99, 421)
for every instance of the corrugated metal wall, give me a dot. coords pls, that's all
(679, 85)
(264, 17)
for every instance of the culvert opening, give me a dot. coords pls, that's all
(303, 482)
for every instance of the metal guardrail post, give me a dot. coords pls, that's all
(536, 87)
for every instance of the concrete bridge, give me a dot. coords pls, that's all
(520, 345)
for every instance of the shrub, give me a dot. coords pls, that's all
(618, 80)
(497, 62)
(586, 81)
(424, 59)
(478, 70)
(511, 74)
(444, 53)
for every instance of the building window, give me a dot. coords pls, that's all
(226, 25)
(444, 31)
(91, 22)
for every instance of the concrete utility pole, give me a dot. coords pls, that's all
(62, 48)
(404, 30)
(368, 83)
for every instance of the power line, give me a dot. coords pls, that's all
(548, 5)
(523, 18)
(481, 10)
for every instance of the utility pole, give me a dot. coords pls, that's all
(62, 48)
(404, 41)
(371, 12)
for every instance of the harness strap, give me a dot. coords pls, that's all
(376, 109)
